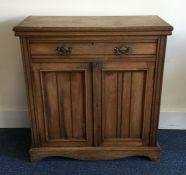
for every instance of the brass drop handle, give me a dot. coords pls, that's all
(64, 50)
(122, 50)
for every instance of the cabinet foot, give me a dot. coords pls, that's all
(154, 157)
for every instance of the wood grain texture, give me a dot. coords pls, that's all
(157, 90)
(124, 96)
(137, 104)
(110, 106)
(126, 104)
(92, 48)
(77, 97)
(30, 100)
(63, 106)
(64, 95)
(94, 104)
(93, 34)
(148, 102)
(96, 153)
(92, 23)
(51, 105)
(97, 103)
(119, 103)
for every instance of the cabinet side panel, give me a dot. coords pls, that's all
(28, 82)
(157, 90)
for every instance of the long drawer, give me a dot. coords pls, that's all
(67, 49)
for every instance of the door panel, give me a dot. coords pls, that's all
(65, 105)
(50, 93)
(110, 105)
(137, 103)
(126, 96)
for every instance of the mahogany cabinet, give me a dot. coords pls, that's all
(93, 84)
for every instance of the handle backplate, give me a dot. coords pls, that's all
(122, 50)
(64, 50)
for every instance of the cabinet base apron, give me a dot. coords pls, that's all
(95, 153)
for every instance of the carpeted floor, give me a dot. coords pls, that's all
(14, 159)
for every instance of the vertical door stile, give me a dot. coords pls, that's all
(148, 100)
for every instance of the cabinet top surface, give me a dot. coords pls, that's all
(93, 23)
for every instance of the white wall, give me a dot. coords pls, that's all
(12, 88)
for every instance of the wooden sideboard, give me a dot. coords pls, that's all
(93, 84)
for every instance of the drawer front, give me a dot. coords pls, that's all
(90, 49)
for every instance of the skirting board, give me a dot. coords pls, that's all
(19, 119)
(14, 119)
(172, 120)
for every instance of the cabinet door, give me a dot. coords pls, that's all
(123, 103)
(62, 93)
